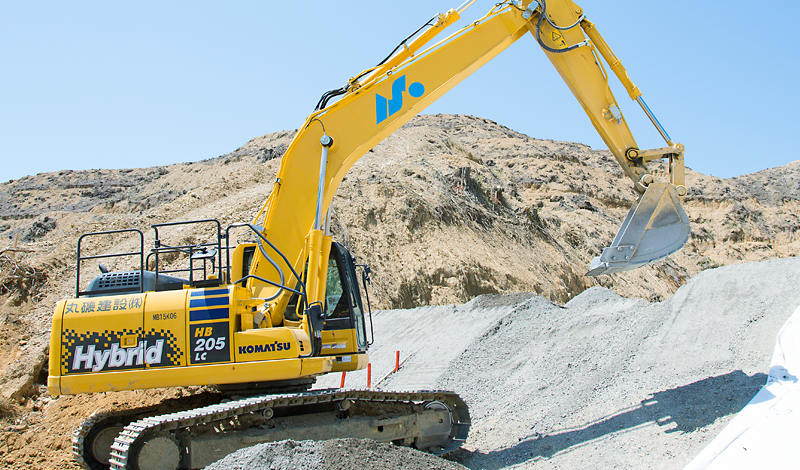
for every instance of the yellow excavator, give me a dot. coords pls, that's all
(261, 318)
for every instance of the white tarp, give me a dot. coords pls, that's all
(765, 433)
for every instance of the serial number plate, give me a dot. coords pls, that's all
(165, 316)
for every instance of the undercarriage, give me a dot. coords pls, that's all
(434, 421)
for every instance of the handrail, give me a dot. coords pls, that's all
(218, 244)
(80, 258)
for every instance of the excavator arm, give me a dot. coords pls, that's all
(381, 99)
(236, 329)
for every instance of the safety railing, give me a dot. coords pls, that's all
(140, 253)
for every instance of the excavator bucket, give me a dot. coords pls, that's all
(655, 227)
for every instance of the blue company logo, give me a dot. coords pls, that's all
(385, 107)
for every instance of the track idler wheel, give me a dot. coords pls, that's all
(160, 452)
(98, 445)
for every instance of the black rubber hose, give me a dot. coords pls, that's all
(404, 41)
(538, 31)
(328, 95)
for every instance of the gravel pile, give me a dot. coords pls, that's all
(339, 454)
(603, 381)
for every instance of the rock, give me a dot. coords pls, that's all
(18, 380)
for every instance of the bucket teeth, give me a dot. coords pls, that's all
(656, 226)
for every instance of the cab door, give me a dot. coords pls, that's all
(344, 318)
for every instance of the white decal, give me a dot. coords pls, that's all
(117, 356)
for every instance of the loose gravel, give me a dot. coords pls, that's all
(338, 454)
(601, 382)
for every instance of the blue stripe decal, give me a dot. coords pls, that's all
(208, 302)
(207, 292)
(210, 314)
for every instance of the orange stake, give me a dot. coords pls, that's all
(369, 374)
(343, 374)
(396, 361)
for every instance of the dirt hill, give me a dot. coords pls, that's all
(445, 209)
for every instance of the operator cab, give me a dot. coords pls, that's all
(343, 307)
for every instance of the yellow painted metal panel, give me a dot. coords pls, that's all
(585, 79)
(284, 369)
(265, 344)
(92, 332)
(165, 316)
(54, 366)
(350, 362)
(337, 342)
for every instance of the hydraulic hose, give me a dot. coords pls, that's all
(329, 95)
(543, 15)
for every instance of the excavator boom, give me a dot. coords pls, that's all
(263, 318)
(380, 100)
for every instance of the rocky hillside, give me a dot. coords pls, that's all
(447, 208)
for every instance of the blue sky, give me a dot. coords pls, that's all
(134, 84)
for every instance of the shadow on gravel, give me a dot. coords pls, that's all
(681, 409)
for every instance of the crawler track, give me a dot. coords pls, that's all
(130, 441)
